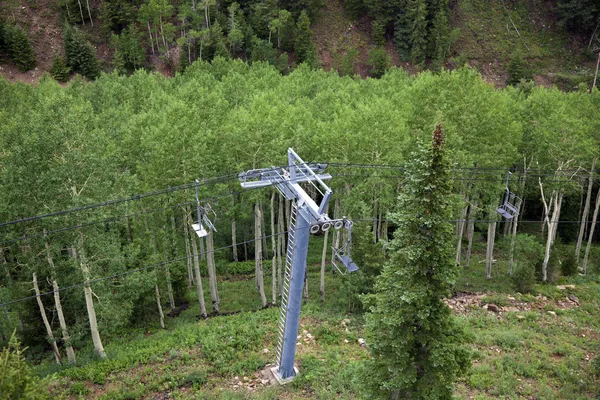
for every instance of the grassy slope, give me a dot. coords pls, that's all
(526, 351)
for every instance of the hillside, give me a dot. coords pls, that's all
(489, 35)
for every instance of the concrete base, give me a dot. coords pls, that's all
(271, 373)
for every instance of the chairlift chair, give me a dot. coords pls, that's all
(510, 207)
(203, 217)
(342, 254)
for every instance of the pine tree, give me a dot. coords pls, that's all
(379, 61)
(305, 48)
(59, 70)
(19, 49)
(378, 32)
(402, 35)
(416, 345)
(81, 56)
(417, 12)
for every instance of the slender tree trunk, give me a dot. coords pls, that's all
(63, 324)
(151, 38)
(45, 319)
(596, 73)
(263, 233)
(162, 33)
(556, 200)
(375, 220)
(159, 305)
(89, 12)
(591, 234)
(260, 283)
(489, 255)
(460, 229)
(188, 248)
(274, 250)
(212, 272)
(336, 234)
(81, 12)
(197, 272)
(515, 222)
(470, 231)
(586, 211)
(202, 249)
(58, 305)
(234, 240)
(323, 262)
(89, 301)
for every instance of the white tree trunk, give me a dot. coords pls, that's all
(586, 211)
(470, 232)
(159, 305)
(234, 240)
(591, 234)
(260, 284)
(212, 272)
(63, 324)
(556, 200)
(89, 12)
(89, 301)
(151, 39)
(45, 319)
(197, 273)
(188, 250)
(489, 255)
(81, 12)
(460, 230)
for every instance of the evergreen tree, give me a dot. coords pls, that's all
(378, 32)
(439, 38)
(416, 345)
(59, 70)
(118, 14)
(19, 49)
(81, 56)
(518, 69)
(379, 61)
(417, 14)
(348, 63)
(129, 54)
(305, 48)
(402, 35)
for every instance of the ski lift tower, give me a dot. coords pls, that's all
(306, 217)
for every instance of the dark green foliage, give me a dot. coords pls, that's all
(378, 32)
(402, 36)
(416, 12)
(81, 56)
(441, 39)
(2, 37)
(416, 344)
(578, 15)
(348, 64)
(305, 48)
(518, 69)
(129, 54)
(529, 253)
(568, 266)
(18, 47)
(379, 62)
(356, 8)
(59, 70)
(16, 378)
(262, 51)
(283, 62)
(118, 14)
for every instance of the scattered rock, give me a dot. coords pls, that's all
(520, 317)
(266, 351)
(565, 287)
(246, 379)
(304, 332)
(573, 299)
(493, 308)
(264, 381)
(346, 341)
(361, 342)
(236, 380)
(299, 337)
(552, 313)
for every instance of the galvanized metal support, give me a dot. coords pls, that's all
(307, 217)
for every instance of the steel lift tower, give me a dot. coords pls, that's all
(307, 216)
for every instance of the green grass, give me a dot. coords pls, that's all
(518, 354)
